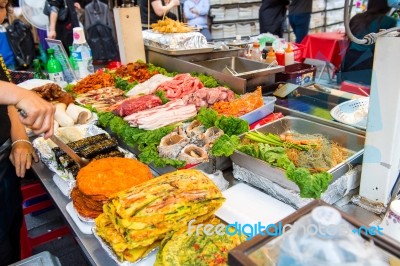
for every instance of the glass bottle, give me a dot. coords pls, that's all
(38, 72)
(54, 67)
(82, 53)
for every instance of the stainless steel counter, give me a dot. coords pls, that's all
(92, 249)
(89, 244)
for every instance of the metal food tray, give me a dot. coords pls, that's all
(180, 51)
(352, 142)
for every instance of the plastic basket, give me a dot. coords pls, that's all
(353, 113)
(20, 76)
(298, 51)
(298, 73)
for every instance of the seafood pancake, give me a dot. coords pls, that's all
(110, 175)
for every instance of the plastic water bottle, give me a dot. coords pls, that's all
(82, 53)
(72, 62)
(324, 238)
(54, 67)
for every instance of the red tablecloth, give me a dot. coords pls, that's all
(326, 46)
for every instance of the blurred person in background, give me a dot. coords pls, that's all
(62, 30)
(299, 17)
(196, 14)
(271, 16)
(357, 63)
(16, 152)
(158, 8)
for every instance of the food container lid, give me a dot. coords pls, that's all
(395, 207)
(326, 215)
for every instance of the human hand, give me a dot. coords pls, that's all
(77, 6)
(21, 157)
(39, 113)
(51, 34)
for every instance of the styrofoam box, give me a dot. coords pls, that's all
(263, 111)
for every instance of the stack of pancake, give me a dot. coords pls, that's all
(137, 219)
(97, 181)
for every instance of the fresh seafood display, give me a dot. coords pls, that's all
(193, 154)
(189, 143)
(137, 219)
(97, 181)
(172, 144)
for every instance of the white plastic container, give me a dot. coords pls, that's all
(261, 112)
(391, 221)
(289, 55)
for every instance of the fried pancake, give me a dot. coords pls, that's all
(85, 206)
(110, 175)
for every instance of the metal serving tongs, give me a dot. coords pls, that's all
(80, 161)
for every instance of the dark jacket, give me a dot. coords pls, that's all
(271, 16)
(300, 6)
(144, 13)
(100, 31)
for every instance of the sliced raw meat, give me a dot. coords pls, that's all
(207, 97)
(136, 104)
(180, 86)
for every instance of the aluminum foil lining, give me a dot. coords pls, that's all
(43, 148)
(111, 253)
(369, 205)
(175, 41)
(336, 191)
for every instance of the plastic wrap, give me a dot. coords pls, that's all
(300, 248)
(336, 191)
(175, 41)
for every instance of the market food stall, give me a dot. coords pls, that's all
(170, 149)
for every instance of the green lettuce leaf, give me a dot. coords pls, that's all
(232, 125)
(225, 145)
(207, 117)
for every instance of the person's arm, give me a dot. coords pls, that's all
(160, 10)
(187, 11)
(22, 151)
(39, 113)
(203, 8)
(52, 34)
